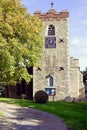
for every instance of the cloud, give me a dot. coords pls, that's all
(83, 63)
(78, 49)
(84, 51)
(79, 41)
(75, 41)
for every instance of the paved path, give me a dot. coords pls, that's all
(23, 118)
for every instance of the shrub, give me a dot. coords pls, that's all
(41, 97)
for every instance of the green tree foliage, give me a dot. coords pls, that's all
(84, 75)
(20, 41)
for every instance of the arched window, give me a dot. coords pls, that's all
(50, 81)
(51, 30)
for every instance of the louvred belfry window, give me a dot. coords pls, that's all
(51, 30)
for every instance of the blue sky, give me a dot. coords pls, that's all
(77, 23)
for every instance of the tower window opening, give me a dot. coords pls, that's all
(51, 30)
(51, 81)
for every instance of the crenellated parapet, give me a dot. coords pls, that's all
(74, 62)
(52, 14)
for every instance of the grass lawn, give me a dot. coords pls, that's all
(74, 114)
(1, 114)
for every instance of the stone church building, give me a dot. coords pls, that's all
(58, 73)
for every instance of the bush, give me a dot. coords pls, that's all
(41, 97)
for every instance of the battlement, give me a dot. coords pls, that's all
(74, 62)
(52, 14)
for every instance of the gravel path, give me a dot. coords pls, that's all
(23, 118)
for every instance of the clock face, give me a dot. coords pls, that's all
(50, 42)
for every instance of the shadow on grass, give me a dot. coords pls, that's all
(23, 118)
(74, 114)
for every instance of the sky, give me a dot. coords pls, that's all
(77, 23)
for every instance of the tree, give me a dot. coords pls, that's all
(20, 41)
(84, 75)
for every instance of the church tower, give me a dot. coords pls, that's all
(53, 74)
